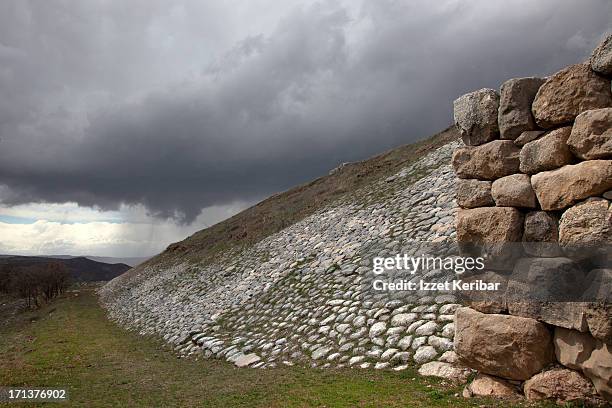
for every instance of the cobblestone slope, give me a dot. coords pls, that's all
(299, 296)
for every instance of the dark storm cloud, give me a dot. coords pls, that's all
(107, 105)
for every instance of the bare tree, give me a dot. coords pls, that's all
(35, 283)
(6, 271)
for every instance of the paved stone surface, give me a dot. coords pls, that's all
(298, 296)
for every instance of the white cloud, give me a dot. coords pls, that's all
(70, 229)
(62, 213)
(98, 238)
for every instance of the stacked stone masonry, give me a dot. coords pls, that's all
(538, 174)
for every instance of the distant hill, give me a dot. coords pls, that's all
(133, 261)
(81, 269)
(130, 261)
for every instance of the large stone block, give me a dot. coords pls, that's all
(599, 369)
(568, 93)
(548, 290)
(514, 191)
(473, 193)
(554, 277)
(490, 301)
(591, 136)
(476, 116)
(573, 348)
(598, 296)
(562, 386)
(570, 315)
(585, 231)
(541, 234)
(558, 189)
(489, 161)
(491, 231)
(444, 370)
(505, 346)
(601, 59)
(599, 320)
(546, 153)
(516, 97)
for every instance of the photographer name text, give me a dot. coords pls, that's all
(448, 286)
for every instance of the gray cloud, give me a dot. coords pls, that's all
(183, 108)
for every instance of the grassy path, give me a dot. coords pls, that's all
(71, 344)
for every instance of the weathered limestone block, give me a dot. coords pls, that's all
(560, 385)
(488, 386)
(505, 346)
(546, 153)
(556, 277)
(476, 116)
(598, 295)
(601, 59)
(558, 189)
(548, 290)
(585, 230)
(571, 315)
(573, 348)
(568, 93)
(489, 161)
(489, 224)
(486, 302)
(591, 136)
(599, 369)
(528, 136)
(377, 329)
(493, 231)
(246, 360)
(598, 286)
(514, 191)
(473, 193)
(516, 97)
(541, 234)
(447, 371)
(599, 320)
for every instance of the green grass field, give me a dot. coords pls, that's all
(70, 344)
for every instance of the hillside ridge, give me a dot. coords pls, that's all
(81, 269)
(282, 209)
(277, 298)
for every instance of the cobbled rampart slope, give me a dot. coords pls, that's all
(297, 296)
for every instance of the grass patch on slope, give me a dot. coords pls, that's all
(71, 344)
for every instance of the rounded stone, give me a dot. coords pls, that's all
(546, 153)
(377, 329)
(568, 93)
(601, 59)
(472, 193)
(505, 346)
(585, 230)
(424, 354)
(514, 191)
(591, 136)
(427, 329)
(475, 116)
(516, 97)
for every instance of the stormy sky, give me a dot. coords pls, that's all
(127, 125)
